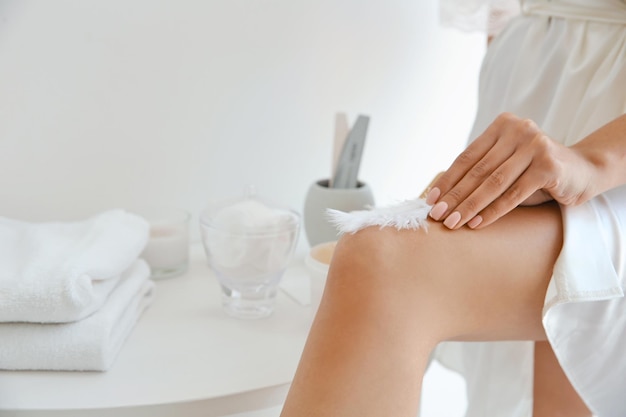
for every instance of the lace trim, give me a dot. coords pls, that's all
(489, 16)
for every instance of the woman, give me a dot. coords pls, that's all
(524, 254)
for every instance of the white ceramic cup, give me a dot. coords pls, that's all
(320, 197)
(317, 262)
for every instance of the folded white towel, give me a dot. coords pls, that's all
(91, 344)
(61, 272)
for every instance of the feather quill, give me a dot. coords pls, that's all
(409, 214)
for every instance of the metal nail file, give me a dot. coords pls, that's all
(346, 175)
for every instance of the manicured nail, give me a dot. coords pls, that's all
(475, 222)
(452, 220)
(432, 196)
(437, 211)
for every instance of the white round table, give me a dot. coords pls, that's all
(185, 357)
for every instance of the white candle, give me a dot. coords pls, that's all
(167, 247)
(167, 251)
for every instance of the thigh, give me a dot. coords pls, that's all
(392, 295)
(486, 284)
(553, 394)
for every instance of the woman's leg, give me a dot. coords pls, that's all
(554, 396)
(391, 296)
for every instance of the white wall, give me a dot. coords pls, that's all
(122, 103)
(128, 103)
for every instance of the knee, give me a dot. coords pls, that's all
(360, 254)
(382, 256)
(385, 277)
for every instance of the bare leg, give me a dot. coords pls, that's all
(554, 396)
(392, 296)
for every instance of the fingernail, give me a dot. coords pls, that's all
(432, 196)
(437, 211)
(475, 222)
(452, 220)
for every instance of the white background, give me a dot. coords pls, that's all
(132, 103)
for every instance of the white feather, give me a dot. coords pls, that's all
(409, 214)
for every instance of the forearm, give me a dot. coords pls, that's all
(605, 150)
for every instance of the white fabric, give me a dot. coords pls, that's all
(61, 272)
(91, 344)
(410, 215)
(603, 11)
(563, 65)
(489, 16)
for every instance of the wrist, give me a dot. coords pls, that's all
(597, 168)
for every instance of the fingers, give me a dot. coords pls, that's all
(430, 186)
(514, 195)
(501, 169)
(463, 164)
(501, 191)
(487, 173)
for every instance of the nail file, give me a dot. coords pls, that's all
(341, 134)
(347, 172)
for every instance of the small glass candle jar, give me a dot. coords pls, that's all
(167, 251)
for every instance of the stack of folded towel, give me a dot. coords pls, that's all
(70, 293)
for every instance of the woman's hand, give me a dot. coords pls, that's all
(512, 163)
